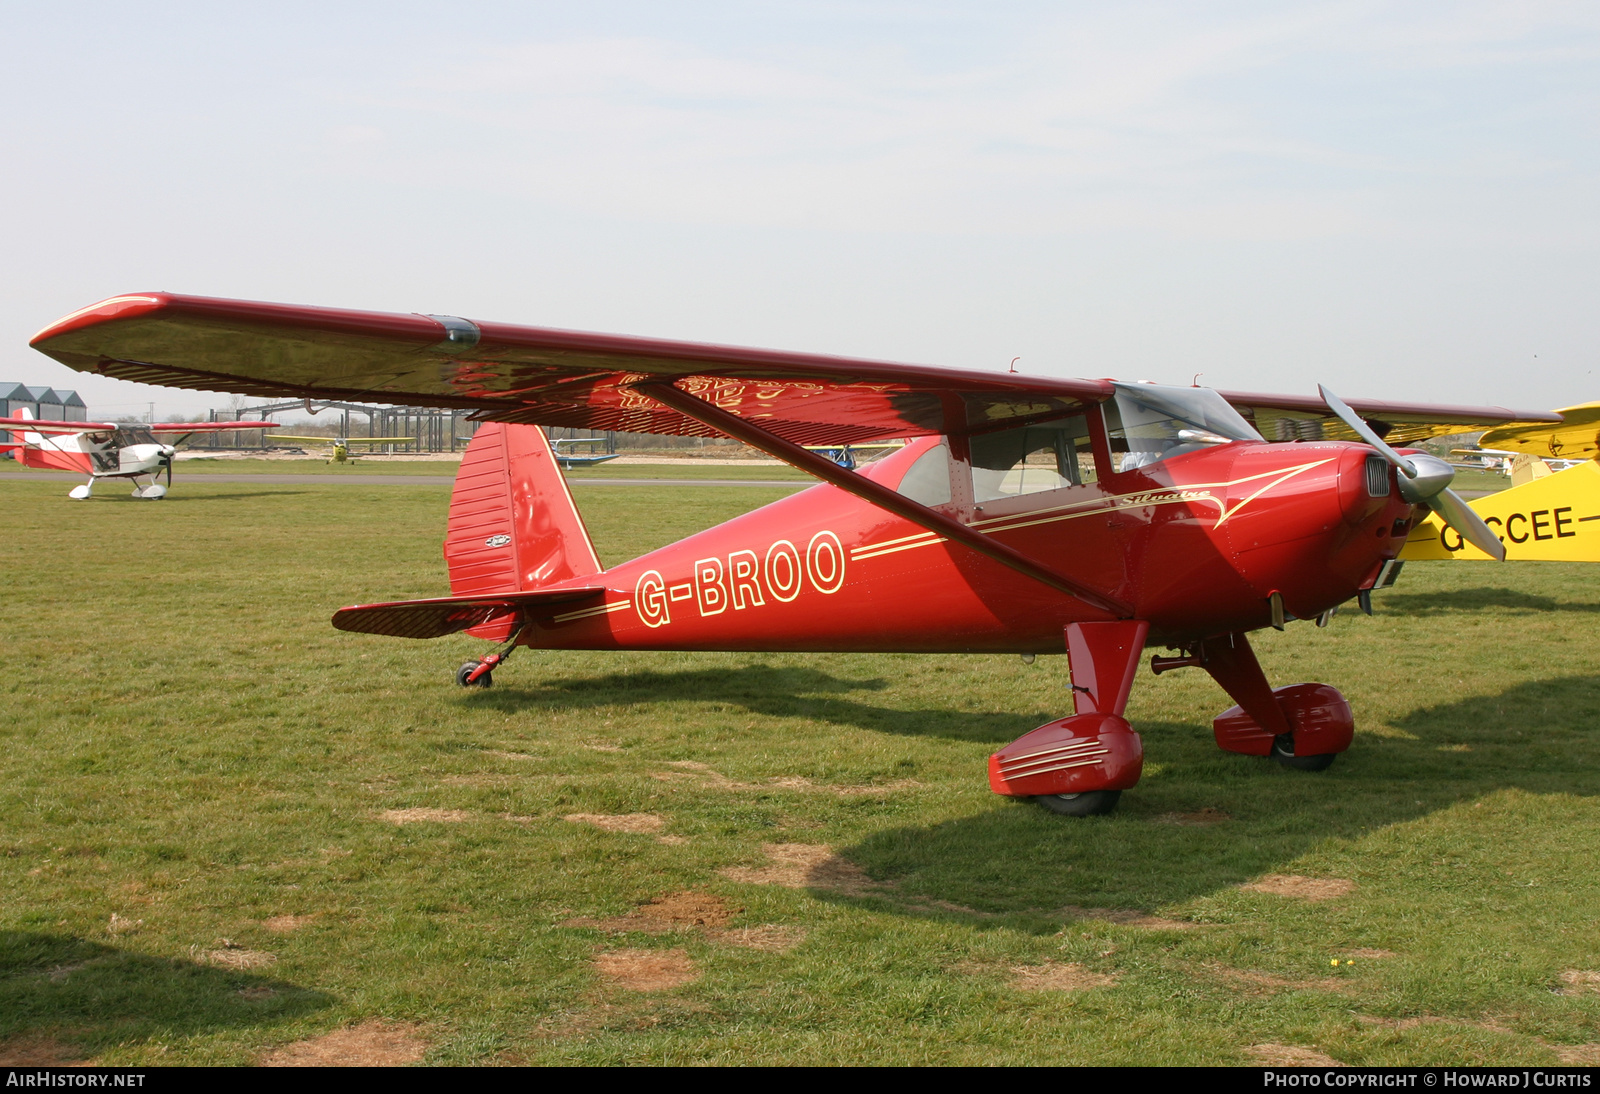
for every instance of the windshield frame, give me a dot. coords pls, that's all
(1202, 407)
(1147, 424)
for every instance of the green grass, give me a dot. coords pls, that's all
(1480, 482)
(190, 747)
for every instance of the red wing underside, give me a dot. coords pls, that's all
(534, 375)
(572, 378)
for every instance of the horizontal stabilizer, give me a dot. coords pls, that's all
(448, 614)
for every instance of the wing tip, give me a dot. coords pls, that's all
(112, 308)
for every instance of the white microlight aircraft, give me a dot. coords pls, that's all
(108, 450)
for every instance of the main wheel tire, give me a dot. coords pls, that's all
(1091, 803)
(484, 681)
(1283, 752)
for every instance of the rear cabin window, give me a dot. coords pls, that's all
(927, 481)
(1048, 456)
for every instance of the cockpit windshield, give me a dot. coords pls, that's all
(1147, 423)
(132, 434)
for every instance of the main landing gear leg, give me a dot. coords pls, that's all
(1303, 726)
(478, 674)
(1079, 766)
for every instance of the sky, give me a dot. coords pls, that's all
(1397, 200)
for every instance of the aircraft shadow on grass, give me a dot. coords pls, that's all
(96, 996)
(771, 692)
(1477, 600)
(1542, 737)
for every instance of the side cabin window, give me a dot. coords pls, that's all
(102, 452)
(1047, 456)
(1148, 423)
(126, 435)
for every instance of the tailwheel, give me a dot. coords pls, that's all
(1090, 803)
(477, 674)
(1283, 752)
(465, 679)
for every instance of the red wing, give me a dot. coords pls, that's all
(36, 426)
(448, 614)
(207, 427)
(532, 374)
(573, 378)
(1306, 417)
(33, 425)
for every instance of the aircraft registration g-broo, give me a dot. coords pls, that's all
(1028, 514)
(109, 450)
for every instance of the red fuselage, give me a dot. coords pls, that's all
(1196, 544)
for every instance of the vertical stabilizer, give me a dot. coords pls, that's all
(53, 452)
(513, 526)
(1526, 468)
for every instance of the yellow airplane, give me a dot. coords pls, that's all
(845, 454)
(341, 445)
(1549, 517)
(1576, 438)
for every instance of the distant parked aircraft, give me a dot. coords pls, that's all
(108, 450)
(566, 459)
(341, 445)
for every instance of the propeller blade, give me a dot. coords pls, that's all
(1455, 512)
(1364, 431)
(169, 472)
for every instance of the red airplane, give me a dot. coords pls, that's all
(108, 450)
(1029, 515)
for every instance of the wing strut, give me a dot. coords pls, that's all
(875, 493)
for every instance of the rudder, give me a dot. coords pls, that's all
(513, 526)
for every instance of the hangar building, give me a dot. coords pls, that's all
(46, 404)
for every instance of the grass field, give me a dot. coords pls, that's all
(229, 833)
